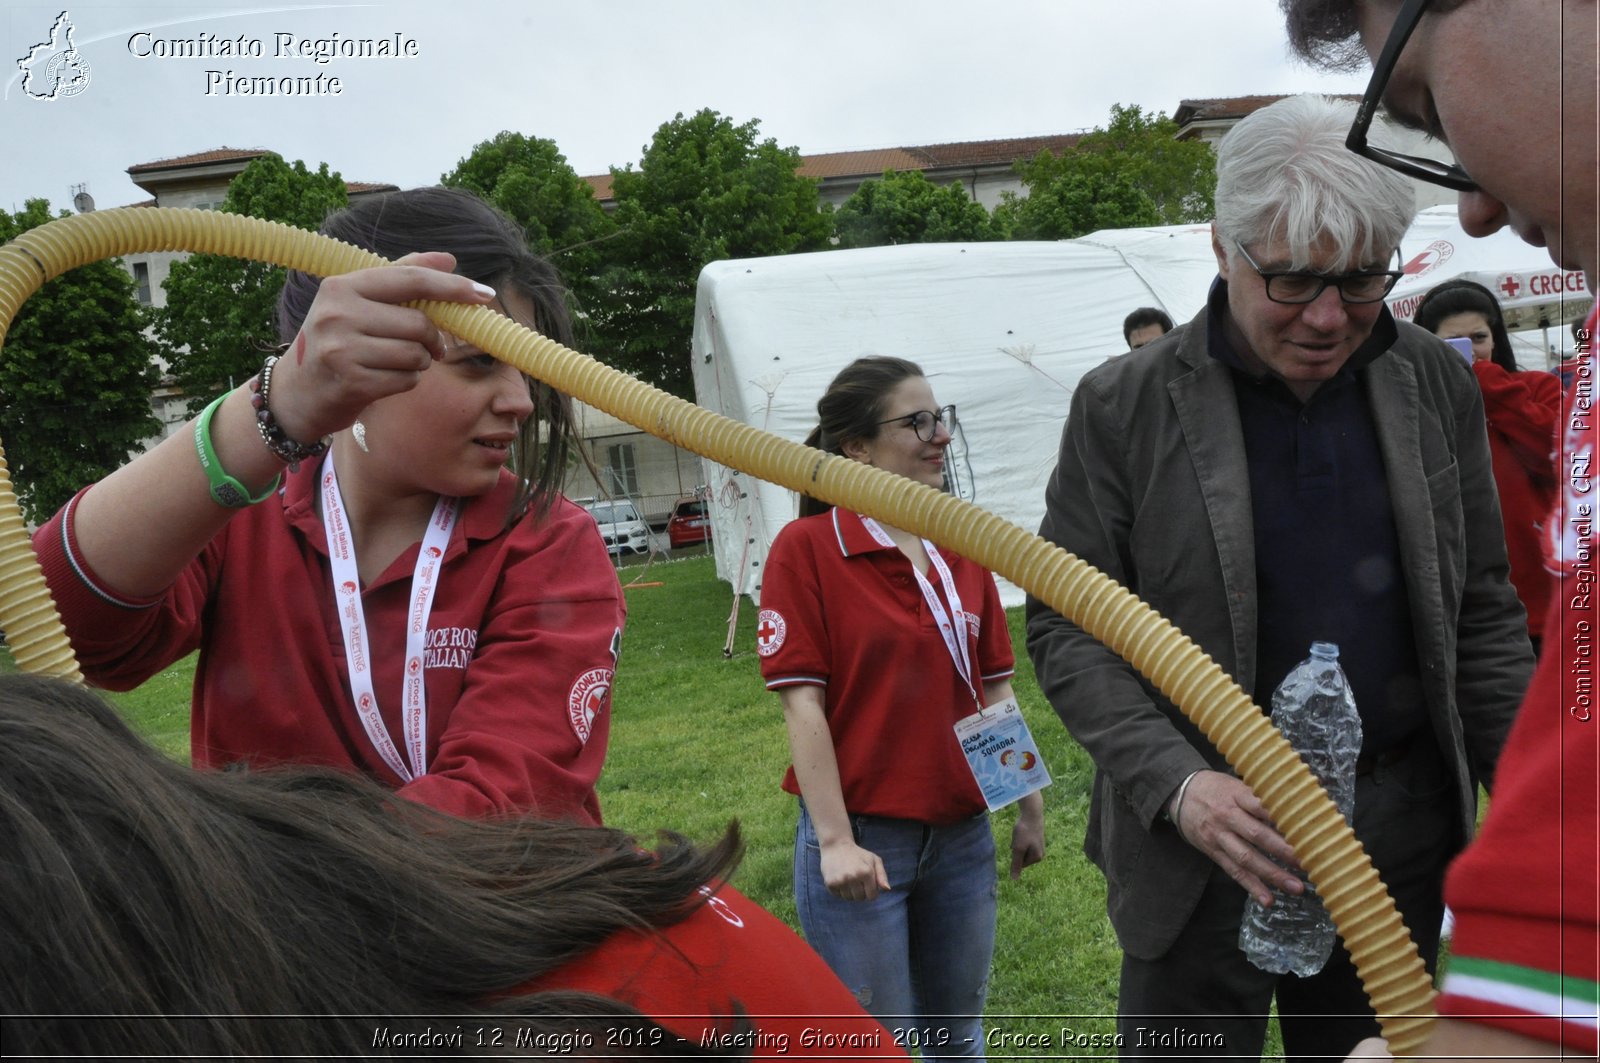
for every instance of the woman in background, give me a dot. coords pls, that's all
(894, 864)
(152, 910)
(1521, 408)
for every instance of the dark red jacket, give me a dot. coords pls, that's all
(518, 665)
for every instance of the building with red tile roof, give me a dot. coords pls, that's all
(199, 180)
(1208, 119)
(985, 168)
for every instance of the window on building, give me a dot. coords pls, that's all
(624, 473)
(141, 280)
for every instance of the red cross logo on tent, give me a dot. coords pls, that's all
(770, 630)
(1434, 255)
(1510, 287)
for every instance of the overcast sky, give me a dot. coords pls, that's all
(599, 77)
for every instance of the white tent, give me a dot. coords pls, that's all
(1003, 330)
(1533, 291)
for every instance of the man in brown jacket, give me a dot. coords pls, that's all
(1292, 465)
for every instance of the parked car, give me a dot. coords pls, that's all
(689, 523)
(620, 526)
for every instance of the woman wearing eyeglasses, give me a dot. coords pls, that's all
(1522, 409)
(877, 642)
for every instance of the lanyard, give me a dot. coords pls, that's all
(954, 632)
(353, 624)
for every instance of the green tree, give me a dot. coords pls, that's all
(76, 375)
(1074, 203)
(705, 189)
(218, 321)
(529, 179)
(907, 208)
(1132, 172)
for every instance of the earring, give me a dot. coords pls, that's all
(359, 430)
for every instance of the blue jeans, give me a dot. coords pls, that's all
(918, 956)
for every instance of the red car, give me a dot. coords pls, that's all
(688, 524)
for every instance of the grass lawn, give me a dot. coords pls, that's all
(697, 741)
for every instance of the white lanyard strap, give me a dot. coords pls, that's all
(953, 631)
(353, 624)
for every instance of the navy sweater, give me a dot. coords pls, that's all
(1327, 552)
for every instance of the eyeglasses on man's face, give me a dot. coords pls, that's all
(1294, 288)
(1435, 171)
(926, 423)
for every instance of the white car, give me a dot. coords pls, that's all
(620, 526)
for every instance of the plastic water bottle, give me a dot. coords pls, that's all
(1316, 712)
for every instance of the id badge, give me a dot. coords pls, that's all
(1002, 754)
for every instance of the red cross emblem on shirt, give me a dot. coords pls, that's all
(770, 629)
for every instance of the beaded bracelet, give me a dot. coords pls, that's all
(225, 490)
(288, 450)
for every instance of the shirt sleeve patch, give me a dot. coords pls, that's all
(770, 632)
(587, 699)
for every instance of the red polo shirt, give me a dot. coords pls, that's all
(841, 611)
(518, 659)
(731, 954)
(1526, 893)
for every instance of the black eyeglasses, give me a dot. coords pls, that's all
(1363, 286)
(926, 422)
(1434, 171)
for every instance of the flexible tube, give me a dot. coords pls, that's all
(1386, 960)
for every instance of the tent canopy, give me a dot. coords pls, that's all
(1004, 331)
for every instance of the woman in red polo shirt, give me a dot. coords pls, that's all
(152, 910)
(877, 643)
(367, 541)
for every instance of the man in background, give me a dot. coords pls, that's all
(1143, 325)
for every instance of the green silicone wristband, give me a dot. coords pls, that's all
(225, 490)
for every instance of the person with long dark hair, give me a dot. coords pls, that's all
(1521, 408)
(367, 541)
(152, 910)
(894, 858)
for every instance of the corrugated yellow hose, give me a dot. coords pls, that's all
(1387, 961)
